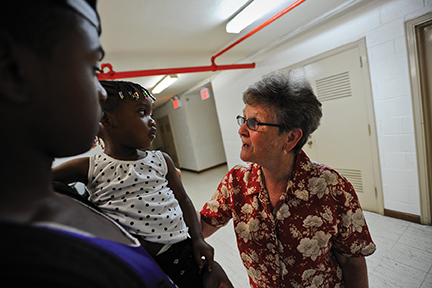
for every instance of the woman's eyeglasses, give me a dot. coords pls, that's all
(252, 123)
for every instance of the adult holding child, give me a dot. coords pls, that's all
(50, 107)
(298, 223)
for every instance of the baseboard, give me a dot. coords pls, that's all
(402, 216)
(204, 170)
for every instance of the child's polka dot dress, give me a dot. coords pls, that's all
(136, 194)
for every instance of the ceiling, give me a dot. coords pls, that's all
(158, 34)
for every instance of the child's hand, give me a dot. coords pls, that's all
(203, 253)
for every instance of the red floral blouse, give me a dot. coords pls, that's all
(291, 245)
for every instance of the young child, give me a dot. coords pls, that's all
(141, 189)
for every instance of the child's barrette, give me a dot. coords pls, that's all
(147, 95)
(134, 95)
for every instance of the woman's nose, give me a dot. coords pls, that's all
(101, 92)
(243, 130)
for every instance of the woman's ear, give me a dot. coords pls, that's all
(11, 89)
(293, 138)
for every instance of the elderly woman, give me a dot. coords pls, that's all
(298, 223)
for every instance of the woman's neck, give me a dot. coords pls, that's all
(277, 176)
(281, 171)
(26, 183)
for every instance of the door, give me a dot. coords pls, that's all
(419, 40)
(164, 128)
(343, 141)
(424, 39)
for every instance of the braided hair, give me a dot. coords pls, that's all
(118, 90)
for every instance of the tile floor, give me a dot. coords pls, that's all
(404, 249)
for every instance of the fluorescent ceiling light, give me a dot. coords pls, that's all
(228, 8)
(252, 12)
(164, 83)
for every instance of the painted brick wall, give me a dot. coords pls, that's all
(381, 23)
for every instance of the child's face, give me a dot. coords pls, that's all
(67, 92)
(132, 123)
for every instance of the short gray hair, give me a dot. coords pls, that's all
(292, 99)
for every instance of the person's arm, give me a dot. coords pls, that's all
(206, 228)
(72, 171)
(354, 271)
(201, 248)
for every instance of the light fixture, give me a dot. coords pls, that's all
(252, 12)
(164, 83)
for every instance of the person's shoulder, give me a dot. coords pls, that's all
(37, 255)
(243, 168)
(312, 166)
(323, 169)
(64, 189)
(156, 153)
(163, 157)
(242, 172)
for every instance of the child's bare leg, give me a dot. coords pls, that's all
(217, 278)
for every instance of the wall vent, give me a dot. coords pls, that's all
(334, 87)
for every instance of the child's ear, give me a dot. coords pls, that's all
(11, 82)
(293, 137)
(105, 120)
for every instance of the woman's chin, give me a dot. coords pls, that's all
(245, 157)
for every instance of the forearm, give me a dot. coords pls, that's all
(185, 202)
(354, 271)
(191, 219)
(206, 228)
(356, 276)
(203, 252)
(61, 177)
(72, 171)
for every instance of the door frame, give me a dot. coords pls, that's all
(361, 45)
(421, 137)
(174, 156)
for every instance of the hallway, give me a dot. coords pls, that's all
(404, 249)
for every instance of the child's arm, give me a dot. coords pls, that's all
(72, 171)
(201, 248)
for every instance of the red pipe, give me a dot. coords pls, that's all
(111, 74)
(266, 23)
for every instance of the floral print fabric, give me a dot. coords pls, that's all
(291, 245)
